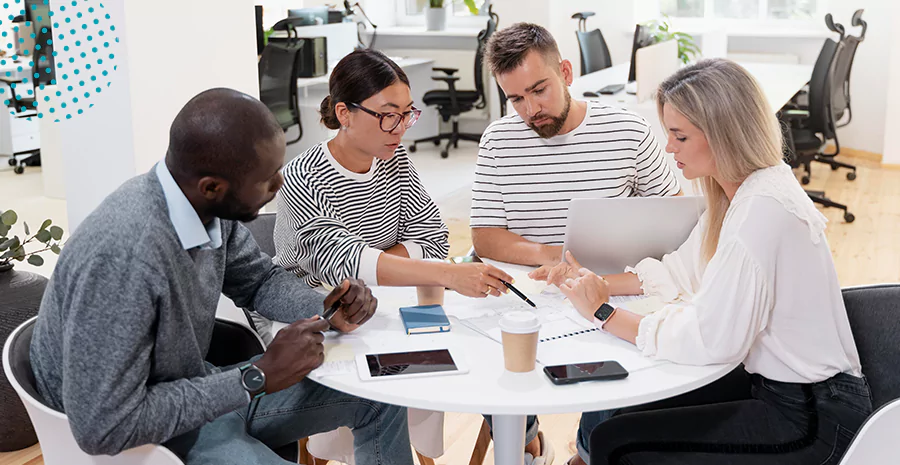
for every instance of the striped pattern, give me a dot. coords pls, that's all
(328, 217)
(524, 183)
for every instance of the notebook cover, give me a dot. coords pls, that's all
(425, 319)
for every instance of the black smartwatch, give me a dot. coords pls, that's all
(604, 312)
(254, 380)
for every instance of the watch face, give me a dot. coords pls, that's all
(604, 312)
(254, 379)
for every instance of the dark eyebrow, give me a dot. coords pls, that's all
(529, 89)
(393, 105)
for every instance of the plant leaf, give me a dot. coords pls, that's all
(4, 229)
(36, 260)
(472, 8)
(9, 217)
(55, 248)
(27, 231)
(44, 236)
(5, 244)
(56, 232)
(46, 224)
(10, 244)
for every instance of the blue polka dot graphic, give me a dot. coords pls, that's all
(62, 54)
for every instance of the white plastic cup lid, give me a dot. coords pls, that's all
(519, 323)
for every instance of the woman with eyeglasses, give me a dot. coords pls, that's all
(353, 206)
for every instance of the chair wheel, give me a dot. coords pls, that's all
(848, 217)
(12, 162)
(445, 153)
(804, 180)
(851, 175)
(19, 169)
(436, 142)
(412, 148)
(834, 168)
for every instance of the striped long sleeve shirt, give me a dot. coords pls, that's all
(524, 183)
(333, 224)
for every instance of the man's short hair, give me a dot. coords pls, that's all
(508, 47)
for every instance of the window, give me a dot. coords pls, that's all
(759, 10)
(417, 7)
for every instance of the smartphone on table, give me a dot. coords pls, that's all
(590, 371)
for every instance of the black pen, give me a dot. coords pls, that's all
(516, 292)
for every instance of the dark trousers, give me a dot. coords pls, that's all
(739, 419)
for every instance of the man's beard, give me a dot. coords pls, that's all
(556, 123)
(232, 209)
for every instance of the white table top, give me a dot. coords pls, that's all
(779, 82)
(401, 62)
(488, 387)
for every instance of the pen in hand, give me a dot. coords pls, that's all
(518, 293)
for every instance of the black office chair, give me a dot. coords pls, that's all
(807, 131)
(841, 98)
(594, 52)
(279, 68)
(453, 102)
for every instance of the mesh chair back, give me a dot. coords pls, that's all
(843, 64)
(594, 52)
(821, 119)
(874, 313)
(278, 72)
(263, 229)
(483, 38)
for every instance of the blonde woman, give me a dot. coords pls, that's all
(754, 283)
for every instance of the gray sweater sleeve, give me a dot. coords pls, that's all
(108, 345)
(254, 282)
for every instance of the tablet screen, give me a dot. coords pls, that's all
(407, 363)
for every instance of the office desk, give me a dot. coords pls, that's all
(488, 387)
(778, 81)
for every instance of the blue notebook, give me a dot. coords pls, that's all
(425, 319)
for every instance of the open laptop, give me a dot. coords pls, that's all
(608, 235)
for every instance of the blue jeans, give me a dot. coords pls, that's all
(380, 432)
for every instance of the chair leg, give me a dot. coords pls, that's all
(423, 460)
(482, 443)
(819, 198)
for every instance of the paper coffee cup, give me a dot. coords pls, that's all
(519, 333)
(430, 295)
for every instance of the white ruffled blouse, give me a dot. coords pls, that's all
(768, 297)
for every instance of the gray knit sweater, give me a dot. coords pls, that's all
(127, 319)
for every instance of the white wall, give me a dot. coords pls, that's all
(892, 116)
(165, 59)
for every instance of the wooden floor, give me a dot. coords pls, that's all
(866, 251)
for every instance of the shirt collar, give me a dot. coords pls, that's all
(190, 230)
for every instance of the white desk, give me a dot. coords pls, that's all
(779, 82)
(488, 387)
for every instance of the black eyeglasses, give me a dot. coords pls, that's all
(389, 121)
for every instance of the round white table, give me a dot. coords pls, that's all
(488, 388)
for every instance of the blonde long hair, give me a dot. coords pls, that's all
(724, 101)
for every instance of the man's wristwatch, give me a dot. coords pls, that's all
(254, 380)
(604, 312)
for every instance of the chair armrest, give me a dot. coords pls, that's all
(445, 70)
(10, 80)
(447, 79)
(792, 115)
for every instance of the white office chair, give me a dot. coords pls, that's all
(52, 427)
(874, 443)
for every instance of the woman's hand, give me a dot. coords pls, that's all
(559, 273)
(587, 292)
(477, 280)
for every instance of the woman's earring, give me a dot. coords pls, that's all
(343, 128)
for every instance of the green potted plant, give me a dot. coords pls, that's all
(20, 297)
(662, 31)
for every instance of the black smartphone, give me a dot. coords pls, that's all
(577, 372)
(612, 89)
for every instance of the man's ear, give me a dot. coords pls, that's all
(213, 188)
(565, 68)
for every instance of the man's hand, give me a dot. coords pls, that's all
(559, 273)
(587, 292)
(357, 305)
(296, 350)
